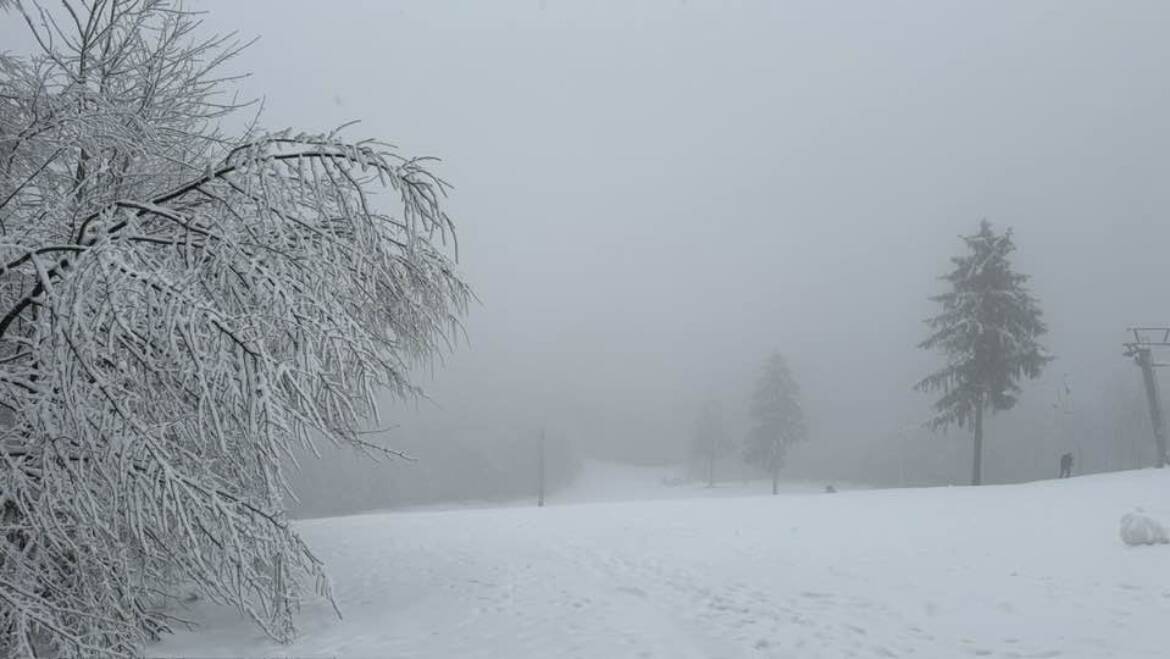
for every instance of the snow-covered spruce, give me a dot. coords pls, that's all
(179, 310)
(710, 441)
(989, 329)
(777, 418)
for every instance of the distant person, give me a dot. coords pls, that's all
(1066, 464)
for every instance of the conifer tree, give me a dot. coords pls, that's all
(989, 329)
(710, 442)
(777, 418)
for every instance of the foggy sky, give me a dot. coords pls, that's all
(653, 196)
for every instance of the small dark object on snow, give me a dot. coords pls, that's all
(829, 489)
(1066, 463)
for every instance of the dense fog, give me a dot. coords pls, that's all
(543, 328)
(653, 197)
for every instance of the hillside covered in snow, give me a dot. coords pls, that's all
(1035, 570)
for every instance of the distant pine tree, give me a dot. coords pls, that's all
(710, 442)
(989, 330)
(777, 418)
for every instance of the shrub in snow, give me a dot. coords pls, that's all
(1138, 529)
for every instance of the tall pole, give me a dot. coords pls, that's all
(711, 466)
(540, 469)
(977, 462)
(1145, 361)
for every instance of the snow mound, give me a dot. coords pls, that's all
(1138, 529)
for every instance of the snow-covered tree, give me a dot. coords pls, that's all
(710, 441)
(180, 308)
(989, 329)
(777, 418)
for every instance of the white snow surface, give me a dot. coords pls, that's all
(1033, 570)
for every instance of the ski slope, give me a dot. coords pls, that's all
(1033, 570)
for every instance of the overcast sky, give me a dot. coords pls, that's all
(652, 196)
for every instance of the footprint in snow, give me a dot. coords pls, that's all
(815, 595)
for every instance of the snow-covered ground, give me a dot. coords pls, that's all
(1035, 570)
(605, 481)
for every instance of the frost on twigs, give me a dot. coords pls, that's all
(1139, 529)
(179, 311)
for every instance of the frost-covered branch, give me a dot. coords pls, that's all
(179, 311)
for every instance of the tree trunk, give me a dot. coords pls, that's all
(711, 470)
(775, 479)
(977, 463)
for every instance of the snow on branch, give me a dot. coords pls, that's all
(179, 311)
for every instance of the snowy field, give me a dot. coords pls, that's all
(1035, 570)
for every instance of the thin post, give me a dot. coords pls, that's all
(540, 469)
(1145, 360)
(977, 463)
